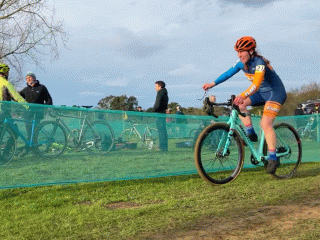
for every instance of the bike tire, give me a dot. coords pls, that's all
(287, 140)
(304, 133)
(150, 138)
(100, 135)
(8, 145)
(50, 140)
(211, 165)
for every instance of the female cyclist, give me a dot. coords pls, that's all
(266, 89)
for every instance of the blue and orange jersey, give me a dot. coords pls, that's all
(262, 76)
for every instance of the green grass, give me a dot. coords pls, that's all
(124, 164)
(82, 166)
(138, 208)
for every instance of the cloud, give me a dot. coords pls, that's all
(187, 85)
(91, 94)
(184, 41)
(139, 47)
(249, 3)
(101, 81)
(116, 82)
(185, 70)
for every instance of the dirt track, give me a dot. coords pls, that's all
(289, 221)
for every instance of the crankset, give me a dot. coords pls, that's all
(253, 160)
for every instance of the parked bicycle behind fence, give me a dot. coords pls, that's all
(149, 138)
(309, 131)
(96, 137)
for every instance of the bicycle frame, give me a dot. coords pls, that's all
(84, 122)
(134, 129)
(235, 125)
(12, 126)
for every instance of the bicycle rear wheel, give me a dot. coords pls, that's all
(50, 140)
(288, 144)
(7, 145)
(98, 138)
(304, 133)
(212, 164)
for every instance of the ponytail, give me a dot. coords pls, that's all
(256, 54)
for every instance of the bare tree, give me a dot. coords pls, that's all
(28, 31)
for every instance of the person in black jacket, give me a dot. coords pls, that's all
(36, 93)
(160, 106)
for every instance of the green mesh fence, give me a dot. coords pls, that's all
(43, 145)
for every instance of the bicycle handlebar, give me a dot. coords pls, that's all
(229, 103)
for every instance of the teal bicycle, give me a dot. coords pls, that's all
(219, 150)
(47, 139)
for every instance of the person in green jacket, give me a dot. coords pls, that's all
(8, 92)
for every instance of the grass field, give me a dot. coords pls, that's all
(255, 206)
(160, 196)
(124, 164)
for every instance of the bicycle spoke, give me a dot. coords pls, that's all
(288, 149)
(213, 165)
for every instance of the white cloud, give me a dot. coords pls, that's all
(187, 85)
(96, 82)
(116, 82)
(170, 28)
(91, 94)
(145, 40)
(184, 70)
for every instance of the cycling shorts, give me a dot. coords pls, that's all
(272, 101)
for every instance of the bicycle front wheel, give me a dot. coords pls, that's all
(150, 137)
(50, 139)
(218, 157)
(7, 145)
(98, 138)
(130, 136)
(288, 149)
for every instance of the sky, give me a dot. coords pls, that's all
(123, 47)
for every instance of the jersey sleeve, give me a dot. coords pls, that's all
(14, 94)
(257, 80)
(228, 74)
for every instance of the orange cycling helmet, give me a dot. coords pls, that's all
(245, 44)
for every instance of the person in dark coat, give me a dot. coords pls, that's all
(36, 93)
(160, 106)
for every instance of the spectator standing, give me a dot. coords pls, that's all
(140, 116)
(160, 106)
(36, 93)
(180, 122)
(7, 93)
(139, 109)
(169, 120)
